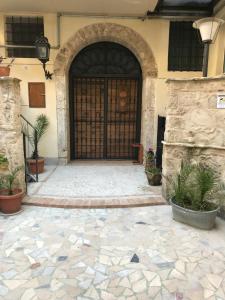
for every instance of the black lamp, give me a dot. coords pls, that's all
(43, 51)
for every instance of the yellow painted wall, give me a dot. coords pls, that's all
(156, 34)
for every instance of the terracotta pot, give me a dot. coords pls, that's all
(4, 71)
(32, 165)
(10, 204)
(4, 167)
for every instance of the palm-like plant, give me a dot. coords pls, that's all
(7, 181)
(180, 187)
(195, 185)
(40, 128)
(206, 185)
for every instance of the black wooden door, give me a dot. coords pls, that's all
(105, 118)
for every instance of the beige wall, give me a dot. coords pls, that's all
(155, 32)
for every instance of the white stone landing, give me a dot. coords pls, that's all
(96, 183)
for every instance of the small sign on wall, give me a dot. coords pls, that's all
(220, 100)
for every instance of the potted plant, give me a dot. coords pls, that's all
(154, 176)
(196, 191)
(36, 163)
(10, 196)
(3, 163)
(149, 159)
(5, 70)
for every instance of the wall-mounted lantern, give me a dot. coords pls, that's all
(43, 51)
(208, 28)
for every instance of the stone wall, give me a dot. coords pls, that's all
(11, 142)
(195, 127)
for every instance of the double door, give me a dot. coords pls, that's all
(105, 118)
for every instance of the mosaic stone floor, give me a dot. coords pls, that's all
(124, 254)
(94, 179)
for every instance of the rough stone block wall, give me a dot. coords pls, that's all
(11, 141)
(195, 127)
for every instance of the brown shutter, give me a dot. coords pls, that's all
(36, 94)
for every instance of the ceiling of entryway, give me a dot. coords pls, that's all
(119, 7)
(128, 8)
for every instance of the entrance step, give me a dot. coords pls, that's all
(89, 202)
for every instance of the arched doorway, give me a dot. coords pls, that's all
(105, 83)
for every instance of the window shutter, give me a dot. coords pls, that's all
(36, 94)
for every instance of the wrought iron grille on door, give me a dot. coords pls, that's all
(105, 105)
(105, 123)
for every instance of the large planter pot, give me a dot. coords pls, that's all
(33, 169)
(154, 179)
(200, 219)
(4, 71)
(10, 204)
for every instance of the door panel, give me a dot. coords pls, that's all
(105, 121)
(89, 117)
(121, 117)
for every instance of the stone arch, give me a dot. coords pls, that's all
(91, 34)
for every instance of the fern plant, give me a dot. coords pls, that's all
(41, 126)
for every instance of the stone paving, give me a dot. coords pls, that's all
(94, 179)
(124, 254)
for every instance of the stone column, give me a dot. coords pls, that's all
(11, 141)
(195, 126)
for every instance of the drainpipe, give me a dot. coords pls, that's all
(58, 34)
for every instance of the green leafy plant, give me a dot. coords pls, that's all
(195, 186)
(149, 158)
(153, 170)
(7, 182)
(41, 126)
(3, 159)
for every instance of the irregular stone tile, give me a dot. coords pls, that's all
(92, 293)
(9, 274)
(13, 284)
(62, 258)
(191, 267)
(125, 283)
(99, 278)
(171, 285)
(178, 275)
(139, 286)
(128, 292)
(107, 296)
(153, 291)
(103, 285)
(135, 259)
(135, 276)
(116, 291)
(35, 265)
(208, 294)
(215, 280)
(156, 281)
(55, 285)
(48, 271)
(149, 275)
(206, 284)
(166, 265)
(180, 266)
(85, 284)
(3, 290)
(28, 294)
